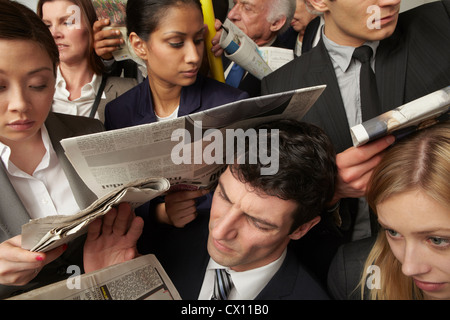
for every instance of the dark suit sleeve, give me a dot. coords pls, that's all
(346, 269)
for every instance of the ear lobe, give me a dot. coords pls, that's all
(139, 46)
(319, 5)
(278, 24)
(304, 228)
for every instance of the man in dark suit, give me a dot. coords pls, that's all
(262, 21)
(252, 220)
(411, 60)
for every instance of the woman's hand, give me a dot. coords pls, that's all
(19, 266)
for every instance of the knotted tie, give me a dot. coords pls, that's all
(370, 104)
(235, 75)
(222, 285)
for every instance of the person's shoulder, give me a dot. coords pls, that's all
(426, 13)
(123, 81)
(213, 87)
(78, 124)
(133, 92)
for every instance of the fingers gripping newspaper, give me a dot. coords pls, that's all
(259, 61)
(176, 149)
(142, 278)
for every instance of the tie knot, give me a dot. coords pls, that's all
(363, 53)
(222, 284)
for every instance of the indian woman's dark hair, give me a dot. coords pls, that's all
(307, 168)
(18, 22)
(143, 16)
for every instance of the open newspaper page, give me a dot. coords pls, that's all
(259, 61)
(44, 234)
(142, 278)
(181, 149)
(402, 120)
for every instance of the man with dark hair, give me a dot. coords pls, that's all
(252, 220)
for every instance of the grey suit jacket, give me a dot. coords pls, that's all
(12, 212)
(115, 86)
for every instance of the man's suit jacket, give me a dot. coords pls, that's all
(183, 254)
(13, 214)
(135, 107)
(411, 63)
(346, 269)
(115, 86)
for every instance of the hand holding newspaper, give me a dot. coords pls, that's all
(259, 61)
(44, 234)
(411, 116)
(132, 157)
(142, 278)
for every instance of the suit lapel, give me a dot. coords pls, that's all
(390, 71)
(58, 131)
(12, 212)
(328, 112)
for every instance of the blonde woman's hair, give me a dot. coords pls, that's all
(419, 162)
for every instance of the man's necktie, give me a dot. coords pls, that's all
(370, 103)
(235, 75)
(222, 285)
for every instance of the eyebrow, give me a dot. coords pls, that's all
(62, 18)
(184, 33)
(429, 231)
(259, 220)
(32, 72)
(40, 70)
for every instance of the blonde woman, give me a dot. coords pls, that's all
(410, 259)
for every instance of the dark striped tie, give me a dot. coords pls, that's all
(370, 102)
(222, 285)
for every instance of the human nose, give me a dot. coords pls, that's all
(192, 54)
(234, 13)
(55, 30)
(17, 100)
(414, 262)
(226, 227)
(386, 3)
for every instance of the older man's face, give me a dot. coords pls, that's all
(251, 17)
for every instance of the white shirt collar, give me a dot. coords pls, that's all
(248, 284)
(342, 55)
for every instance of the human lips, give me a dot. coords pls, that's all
(61, 46)
(21, 125)
(388, 18)
(429, 286)
(190, 73)
(221, 247)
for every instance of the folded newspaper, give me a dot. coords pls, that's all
(176, 149)
(44, 234)
(259, 61)
(142, 278)
(402, 120)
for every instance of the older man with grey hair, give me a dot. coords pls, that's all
(262, 21)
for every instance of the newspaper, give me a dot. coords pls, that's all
(259, 61)
(44, 234)
(115, 11)
(142, 278)
(119, 156)
(402, 120)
